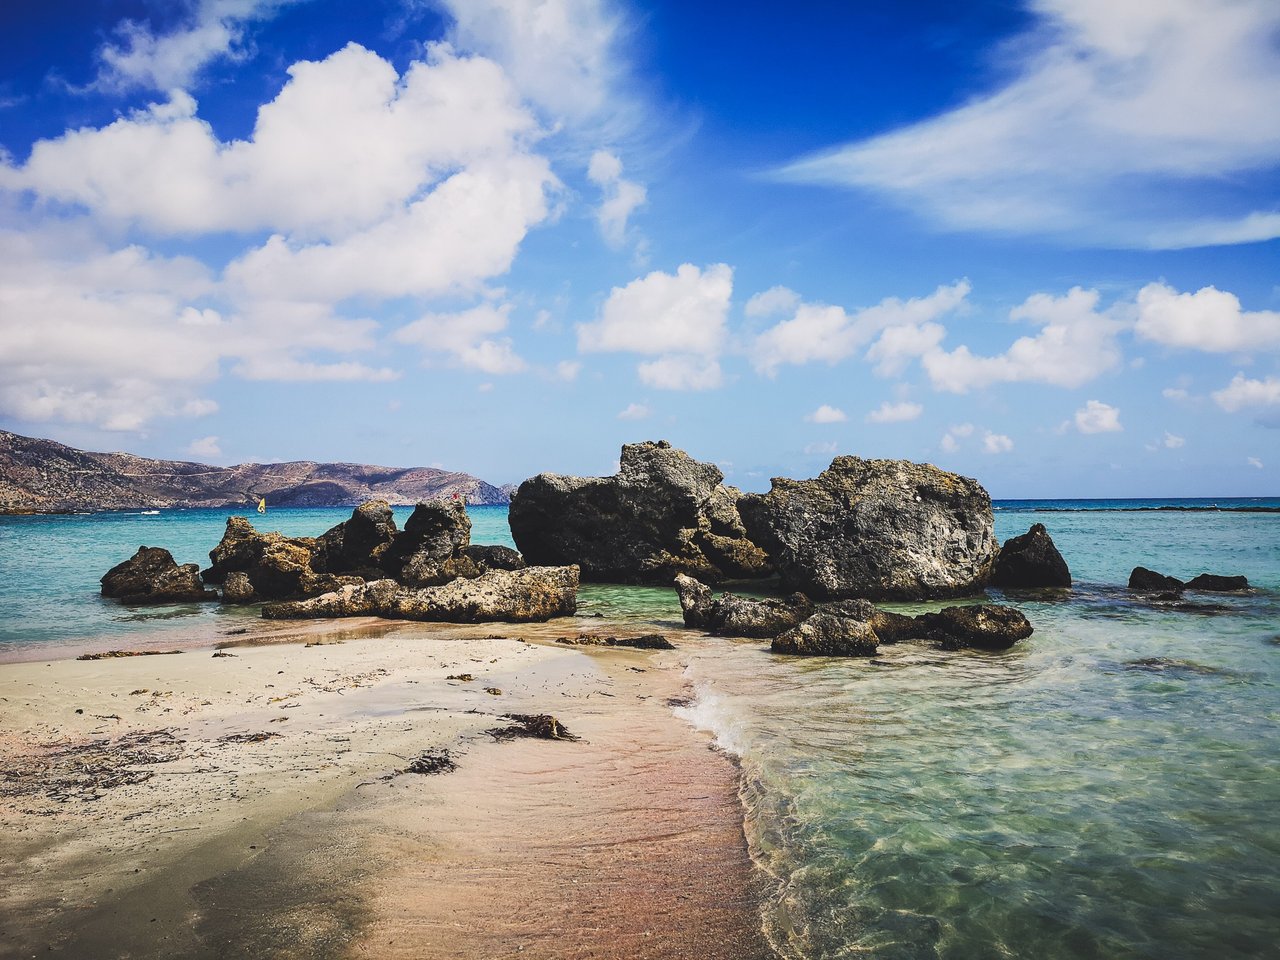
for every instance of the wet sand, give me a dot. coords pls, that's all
(626, 843)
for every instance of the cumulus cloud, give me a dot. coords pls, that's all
(951, 439)
(826, 414)
(895, 412)
(996, 443)
(1076, 343)
(772, 302)
(205, 448)
(1110, 105)
(214, 29)
(1243, 392)
(679, 317)
(817, 331)
(1098, 417)
(1209, 319)
(620, 197)
(568, 370)
(469, 338)
(1172, 441)
(634, 411)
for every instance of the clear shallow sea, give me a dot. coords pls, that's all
(1110, 788)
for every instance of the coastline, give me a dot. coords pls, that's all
(305, 842)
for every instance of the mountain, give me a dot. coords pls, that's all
(43, 476)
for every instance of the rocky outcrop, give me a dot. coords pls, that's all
(1149, 581)
(662, 514)
(983, 626)
(152, 576)
(1217, 583)
(432, 549)
(357, 544)
(494, 557)
(515, 596)
(1029, 561)
(738, 616)
(828, 635)
(881, 529)
(276, 566)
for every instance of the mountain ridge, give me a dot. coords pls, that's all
(45, 476)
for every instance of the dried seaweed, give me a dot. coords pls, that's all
(540, 726)
(113, 654)
(648, 641)
(85, 771)
(248, 737)
(433, 761)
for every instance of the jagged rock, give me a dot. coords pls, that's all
(894, 627)
(1031, 560)
(495, 557)
(518, 596)
(152, 576)
(432, 548)
(1217, 583)
(1148, 580)
(828, 635)
(663, 513)
(882, 529)
(277, 567)
(357, 544)
(237, 588)
(738, 616)
(984, 626)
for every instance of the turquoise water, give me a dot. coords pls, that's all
(1109, 788)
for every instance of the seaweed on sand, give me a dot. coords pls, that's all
(85, 771)
(540, 726)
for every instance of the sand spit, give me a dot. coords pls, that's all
(253, 804)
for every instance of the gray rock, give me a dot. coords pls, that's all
(738, 616)
(359, 543)
(983, 626)
(1029, 561)
(431, 550)
(495, 557)
(663, 513)
(516, 596)
(152, 576)
(828, 635)
(236, 588)
(277, 567)
(882, 529)
(1148, 580)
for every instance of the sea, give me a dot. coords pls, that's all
(1109, 788)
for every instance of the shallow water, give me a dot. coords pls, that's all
(1108, 788)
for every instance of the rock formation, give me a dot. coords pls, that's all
(516, 596)
(1148, 580)
(433, 547)
(881, 529)
(828, 635)
(738, 616)
(1217, 583)
(152, 576)
(983, 626)
(357, 544)
(663, 513)
(1031, 560)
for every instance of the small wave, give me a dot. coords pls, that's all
(711, 713)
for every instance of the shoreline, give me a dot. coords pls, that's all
(259, 812)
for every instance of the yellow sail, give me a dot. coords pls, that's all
(262, 505)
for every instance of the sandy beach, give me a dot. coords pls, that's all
(253, 801)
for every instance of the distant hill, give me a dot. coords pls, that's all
(43, 476)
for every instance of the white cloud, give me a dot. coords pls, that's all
(1076, 343)
(214, 29)
(996, 443)
(826, 414)
(949, 443)
(1254, 462)
(681, 373)
(951, 439)
(819, 332)
(620, 197)
(205, 448)
(1209, 319)
(469, 337)
(1175, 393)
(1098, 417)
(1242, 392)
(1116, 113)
(772, 302)
(823, 449)
(634, 411)
(1172, 441)
(568, 370)
(664, 313)
(561, 53)
(895, 412)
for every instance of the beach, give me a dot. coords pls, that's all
(253, 803)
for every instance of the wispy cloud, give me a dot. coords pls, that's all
(1110, 106)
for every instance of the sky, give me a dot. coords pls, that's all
(1036, 242)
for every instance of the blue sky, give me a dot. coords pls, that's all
(1033, 242)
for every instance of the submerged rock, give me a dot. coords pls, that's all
(828, 635)
(517, 596)
(738, 616)
(152, 576)
(1030, 560)
(1148, 580)
(663, 513)
(983, 625)
(1216, 583)
(881, 529)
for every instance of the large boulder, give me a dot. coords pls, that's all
(358, 544)
(432, 549)
(738, 616)
(1031, 560)
(662, 514)
(277, 567)
(152, 576)
(828, 635)
(982, 625)
(1140, 578)
(881, 529)
(515, 596)
(1217, 583)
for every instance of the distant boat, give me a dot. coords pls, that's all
(150, 513)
